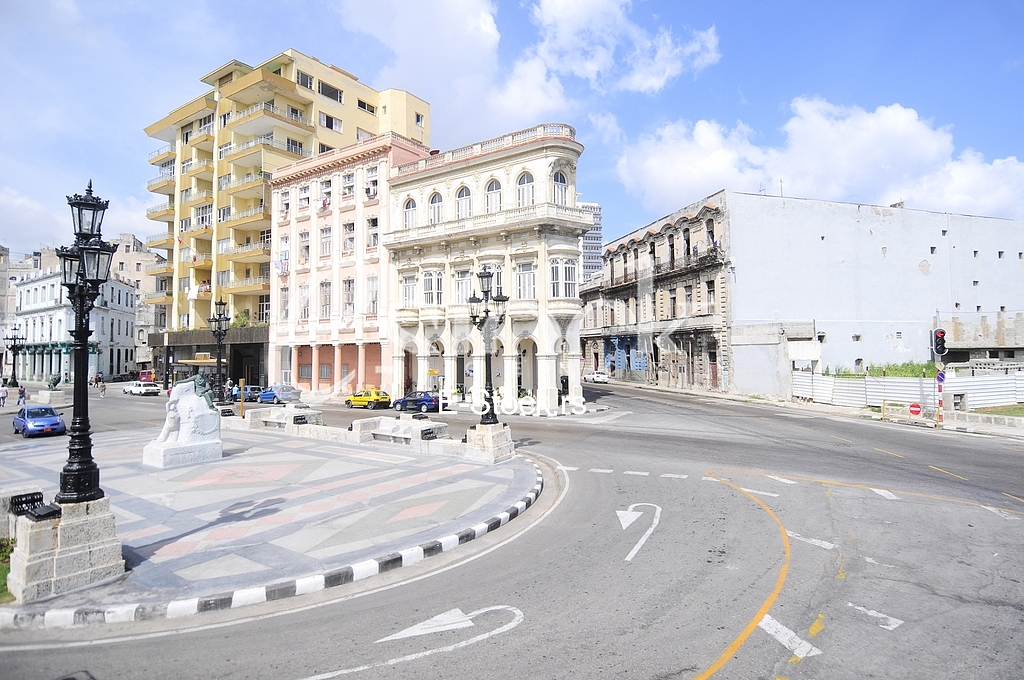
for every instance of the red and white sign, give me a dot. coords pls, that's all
(915, 409)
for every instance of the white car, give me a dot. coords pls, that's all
(596, 377)
(142, 389)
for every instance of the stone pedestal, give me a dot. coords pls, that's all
(51, 397)
(170, 454)
(54, 556)
(489, 443)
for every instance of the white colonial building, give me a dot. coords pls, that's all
(508, 205)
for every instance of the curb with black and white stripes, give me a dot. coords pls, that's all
(124, 613)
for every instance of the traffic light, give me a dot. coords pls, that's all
(939, 342)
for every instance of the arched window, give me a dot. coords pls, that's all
(463, 205)
(436, 209)
(409, 214)
(524, 192)
(561, 196)
(493, 197)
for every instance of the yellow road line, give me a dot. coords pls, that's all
(801, 427)
(848, 441)
(817, 626)
(1013, 497)
(731, 650)
(889, 452)
(948, 472)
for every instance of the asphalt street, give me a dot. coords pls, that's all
(678, 537)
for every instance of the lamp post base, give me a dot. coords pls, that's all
(490, 443)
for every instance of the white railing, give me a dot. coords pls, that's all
(190, 195)
(190, 165)
(251, 281)
(505, 217)
(263, 140)
(545, 131)
(247, 248)
(160, 152)
(159, 208)
(251, 212)
(245, 179)
(156, 238)
(205, 129)
(161, 178)
(298, 117)
(165, 264)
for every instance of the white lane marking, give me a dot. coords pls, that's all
(605, 419)
(871, 560)
(634, 472)
(760, 493)
(792, 415)
(453, 619)
(570, 469)
(709, 479)
(886, 494)
(813, 541)
(629, 516)
(788, 638)
(893, 623)
(601, 471)
(669, 475)
(519, 617)
(781, 479)
(1001, 513)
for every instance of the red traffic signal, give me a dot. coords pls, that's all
(939, 342)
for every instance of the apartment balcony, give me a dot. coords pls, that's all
(163, 184)
(201, 169)
(198, 261)
(162, 212)
(249, 252)
(253, 185)
(161, 297)
(542, 214)
(203, 292)
(202, 138)
(162, 155)
(261, 85)
(248, 153)
(249, 286)
(192, 198)
(262, 118)
(459, 313)
(523, 310)
(160, 268)
(565, 308)
(432, 315)
(407, 317)
(248, 219)
(199, 227)
(162, 240)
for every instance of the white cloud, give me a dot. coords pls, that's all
(29, 224)
(607, 125)
(831, 152)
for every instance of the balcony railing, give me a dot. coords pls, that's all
(245, 179)
(190, 165)
(247, 248)
(161, 151)
(249, 282)
(160, 179)
(264, 140)
(158, 238)
(505, 217)
(190, 195)
(546, 131)
(159, 208)
(159, 295)
(158, 266)
(269, 108)
(251, 212)
(200, 223)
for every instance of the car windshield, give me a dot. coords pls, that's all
(149, 384)
(46, 412)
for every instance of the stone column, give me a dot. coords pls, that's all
(314, 379)
(273, 363)
(361, 366)
(295, 365)
(575, 388)
(422, 375)
(547, 382)
(450, 377)
(479, 377)
(397, 375)
(336, 378)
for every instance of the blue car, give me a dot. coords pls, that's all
(418, 401)
(38, 420)
(278, 394)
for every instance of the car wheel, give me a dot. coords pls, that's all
(398, 406)
(424, 408)
(277, 400)
(372, 405)
(348, 403)
(24, 433)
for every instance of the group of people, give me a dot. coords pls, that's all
(22, 397)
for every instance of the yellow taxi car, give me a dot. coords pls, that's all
(370, 399)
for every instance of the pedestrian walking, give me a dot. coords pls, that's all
(3, 395)
(103, 389)
(21, 396)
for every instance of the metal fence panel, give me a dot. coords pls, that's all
(900, 391)
(849, 392)
(821, 389)
(803, 385)
(982, 390)
(1019, 388)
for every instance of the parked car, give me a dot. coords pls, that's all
(418, 401)
(38, 420)
(142, 389)
(371, 399)
(252, 392)
(595, 377)
(278, 394)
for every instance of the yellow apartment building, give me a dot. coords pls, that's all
(214, 171)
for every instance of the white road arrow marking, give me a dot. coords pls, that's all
(518, 618)
(760, 493)
(788, 638)
(893, 623)
(813, 541)
(452, 619)
(627, 517)
(886, 494)
(1001, 513)
(781, 479)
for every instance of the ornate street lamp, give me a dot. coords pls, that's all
(85, 266)
(219, 325)
(480, 312)
(17, 343)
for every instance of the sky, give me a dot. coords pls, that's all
(866, 102)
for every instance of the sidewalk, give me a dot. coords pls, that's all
(277, 516)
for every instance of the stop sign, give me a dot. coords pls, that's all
(915, 409)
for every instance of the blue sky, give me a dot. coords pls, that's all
(867, 102)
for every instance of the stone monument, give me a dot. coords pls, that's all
(52, 396)
(191, 432)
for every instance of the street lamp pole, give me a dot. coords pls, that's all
(17, 343)
(219, 325)
(85, 266)
(487, 324)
